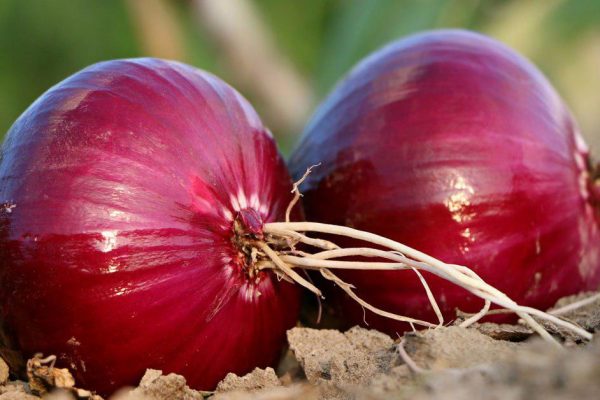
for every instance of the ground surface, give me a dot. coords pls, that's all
(486, 361)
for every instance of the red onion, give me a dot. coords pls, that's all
(118, 247)
(453, 144)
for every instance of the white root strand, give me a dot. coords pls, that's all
(430, 297)
(459, 275)
(288, 270)
(308, 262)
(477, 316)
(480, 290)
(556, 312)
(522, 311)
(432, 264)
(410, 363)
(337, 264)
(318, 243)
(574, 306)
(346, 287)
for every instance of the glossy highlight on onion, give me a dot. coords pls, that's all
(451, 143)
(127, 191)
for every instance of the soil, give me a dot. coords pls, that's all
(485, 361)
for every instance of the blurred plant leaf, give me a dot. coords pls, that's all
(363, 26)
(42, 42)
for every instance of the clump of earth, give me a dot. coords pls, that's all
(484, 361)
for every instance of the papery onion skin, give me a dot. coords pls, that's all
(120, 186)
(451, 143)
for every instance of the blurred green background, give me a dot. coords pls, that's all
(284, 55)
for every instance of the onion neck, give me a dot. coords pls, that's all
(247, 232)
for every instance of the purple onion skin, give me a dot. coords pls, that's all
(118, 255)
(452, 143)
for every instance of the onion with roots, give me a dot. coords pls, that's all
(452, 143)
(128, 192)
(147, 222)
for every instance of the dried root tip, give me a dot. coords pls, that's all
(44, 378)
(296, 191)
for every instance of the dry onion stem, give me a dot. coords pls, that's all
(400, 257)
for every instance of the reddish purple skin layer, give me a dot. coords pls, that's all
(117, 256)
(452, 143)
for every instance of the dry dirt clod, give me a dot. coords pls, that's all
(345, 358)
(530, 370)
(3, 372)
(14, 390)
(294, 392)
(339, 362)
(17, 396)
(436, 351)
(538, 371)
(289, 370)
(156, 386)
(508, 332)
(456, 347)
(364, 363)
(255, 380)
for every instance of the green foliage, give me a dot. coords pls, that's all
(43, 42)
